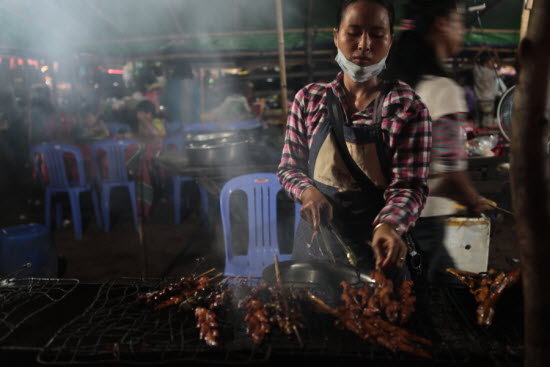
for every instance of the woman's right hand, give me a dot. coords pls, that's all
(315, 206)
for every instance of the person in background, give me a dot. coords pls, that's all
(44, 118)
(89, 126)
(180, 97)
(485, 86)
(433, 32)
(387, 131)
(148, 125)
(234, 107)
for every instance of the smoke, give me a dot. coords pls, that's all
(61, 36)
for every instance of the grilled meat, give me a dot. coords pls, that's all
(487, 289)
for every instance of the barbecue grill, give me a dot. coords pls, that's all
(117, 328)
(21, 299)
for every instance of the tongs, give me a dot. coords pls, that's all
(350, 255)
(326, 243)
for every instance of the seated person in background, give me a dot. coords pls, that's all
(89, 126)
(485, 86)
(234, 107)
(148, 125)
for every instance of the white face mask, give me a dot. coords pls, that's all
(358, 73)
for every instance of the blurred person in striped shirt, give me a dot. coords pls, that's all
(434, 31)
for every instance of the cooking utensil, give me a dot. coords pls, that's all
(315, 274)
(217, 154)
(216, 148)
(326, 243)
(349, 252)
(219, 137)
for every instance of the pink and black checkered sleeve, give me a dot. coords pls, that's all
(293, 168)
(410, 140)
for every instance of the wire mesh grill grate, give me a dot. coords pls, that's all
(20, 299)
(116, 327)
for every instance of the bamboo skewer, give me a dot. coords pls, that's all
(501, 209)
(203, 274)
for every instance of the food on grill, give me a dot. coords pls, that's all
(407, 301)
(375, 330)
(257, 316)
(196, 294)
(364, 309)
(271, 306)
(487, 289)
(208, 325)
(368, 311)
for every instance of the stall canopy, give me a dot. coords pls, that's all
(141, 28)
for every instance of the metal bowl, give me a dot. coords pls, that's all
(215, 154)
(211, 137)
(324, 275)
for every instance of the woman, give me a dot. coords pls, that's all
(90, 126)
(434, 33)
(148, 125)
(392, 150)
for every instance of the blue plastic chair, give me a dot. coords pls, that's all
(116, 128)
(201, 127)
(261, 190)
(53, 156)
(177, 142)
(172, 127)
(117, 175)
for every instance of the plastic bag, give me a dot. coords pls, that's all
(482, 146)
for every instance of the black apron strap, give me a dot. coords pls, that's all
(336, 118)
(381, 148)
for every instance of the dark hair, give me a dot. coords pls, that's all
(181, 69)
(412, 56)
(386, 4)
(146, 106)
(484, 56)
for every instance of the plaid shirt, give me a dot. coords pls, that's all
(406, 130)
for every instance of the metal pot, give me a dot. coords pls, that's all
(212, 138)
(321, 275)
(217, 153)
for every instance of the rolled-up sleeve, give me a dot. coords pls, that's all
(410, 136)
(292, 170)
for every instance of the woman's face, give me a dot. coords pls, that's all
(453, 31)
(364, 35)
(90, 119)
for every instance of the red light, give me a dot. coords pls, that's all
(115, 71)
(20, 61)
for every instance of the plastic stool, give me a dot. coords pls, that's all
(28, 243)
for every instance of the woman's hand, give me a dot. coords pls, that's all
(314, 207)
(389, 248)
(477, 206)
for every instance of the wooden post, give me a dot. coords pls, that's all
(282, 63)
(309, 41)
(529, 187)
(202, 90)
(527, 6)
